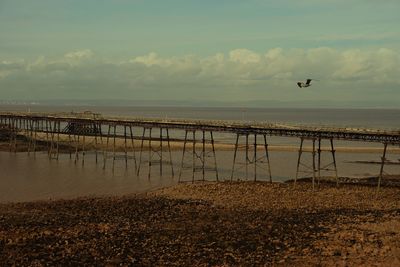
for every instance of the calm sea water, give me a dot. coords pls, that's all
(25, 178)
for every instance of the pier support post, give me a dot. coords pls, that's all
(214, 156)
(247, 156)
(319, 160)
(114, 144)
(334, 162)
(313, 163)
(69, 145)
(54, 139)
(198, 159)
(76, 139)
(383, 159)
(170, 153)
(262, 161)
(194, 155)
(141, 151)
(255, 157)
(203, 155)
(183, 156)
(101, 139)
(96, 143)
(30, 135)
(105, 151)
(13, 134)
(307, 169)
(58, 140)
(83, 145)
(133, 148)
(51, 147)
(267, 157)
(47, 134)
(125, 148)
(314, 169)
(155, 151)
(161, 150)
(36, 127)
(150, 150)
(234, 155)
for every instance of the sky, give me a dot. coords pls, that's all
(227, 51)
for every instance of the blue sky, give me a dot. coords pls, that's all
(124, 28)
(155, 40)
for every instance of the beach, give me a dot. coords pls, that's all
(199, 133)
(73, 211)
(202, 224)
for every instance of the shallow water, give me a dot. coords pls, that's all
(25, 178)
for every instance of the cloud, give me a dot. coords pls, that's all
(79, 55)
(76, 57)
(8, 67)
(152, 59)
(241, 74)
(244, 56)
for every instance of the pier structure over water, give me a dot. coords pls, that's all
(198, 149)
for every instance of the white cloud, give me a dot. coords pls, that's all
(240, 75)
(152, 59)
(274, 53)
(79, 55)
(8, 67)
(244, 56)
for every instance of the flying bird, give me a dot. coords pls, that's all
(307, 84)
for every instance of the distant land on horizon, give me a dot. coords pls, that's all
(211, 104)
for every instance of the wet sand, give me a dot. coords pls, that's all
(202, 224)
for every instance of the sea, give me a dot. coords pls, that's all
(26, 177)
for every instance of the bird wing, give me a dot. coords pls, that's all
(308, 81)
(299, 84)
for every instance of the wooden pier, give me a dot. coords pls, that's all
(75, 129)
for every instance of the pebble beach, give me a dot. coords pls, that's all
(203, 224)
